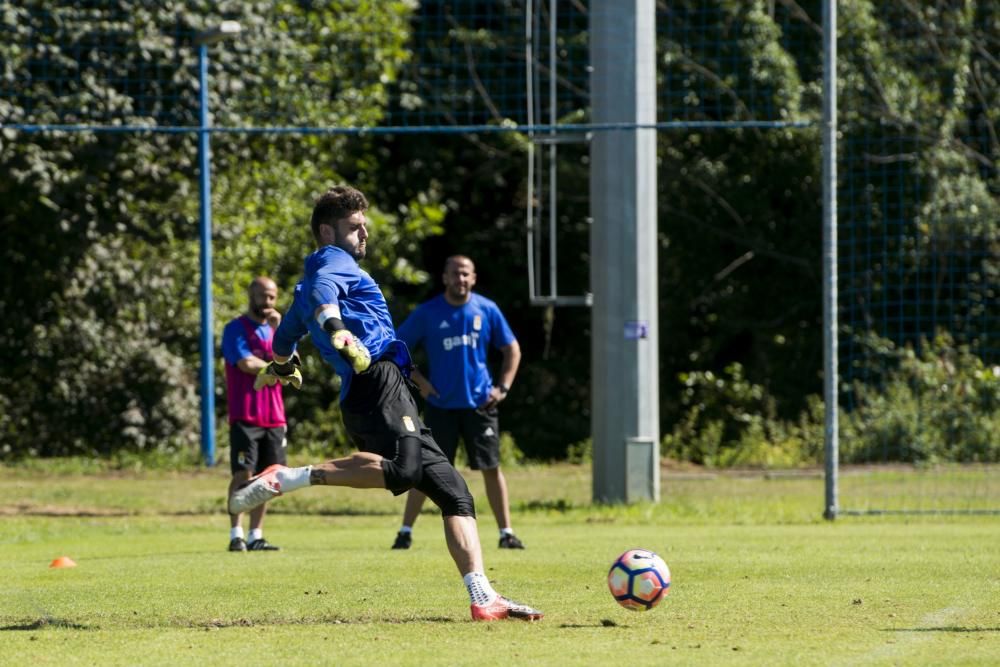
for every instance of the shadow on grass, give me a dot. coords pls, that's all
(217, 623)
(43, 623)
(603, 623)
(558, 505)
(945, 628)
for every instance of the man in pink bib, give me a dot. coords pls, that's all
(256, 417)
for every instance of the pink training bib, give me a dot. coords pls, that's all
(265, 407)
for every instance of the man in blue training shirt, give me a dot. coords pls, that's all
(345, 313)
(457, 329)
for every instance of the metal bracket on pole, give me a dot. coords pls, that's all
(537, 165)
(642, 479)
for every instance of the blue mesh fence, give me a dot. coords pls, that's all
(710, 74)
(919, 243)
(918, 192)
(463, 63)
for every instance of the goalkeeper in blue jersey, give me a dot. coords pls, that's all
(343, 310)
(457, 329)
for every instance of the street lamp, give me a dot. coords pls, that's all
(203, 40)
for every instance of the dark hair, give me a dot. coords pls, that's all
(337, 203)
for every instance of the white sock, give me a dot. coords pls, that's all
(480, 590)
(293, 478)
(256, 534)
(236, 532)
(406, 530)
(506, 531)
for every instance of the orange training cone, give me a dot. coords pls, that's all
(63, 561)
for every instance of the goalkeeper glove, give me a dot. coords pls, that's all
(285, 373)
(351, 349)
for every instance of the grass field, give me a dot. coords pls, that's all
(758, 578)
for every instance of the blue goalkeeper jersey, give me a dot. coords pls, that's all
(457, 340)
(332, 276)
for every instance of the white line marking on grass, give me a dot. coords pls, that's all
(903, 641)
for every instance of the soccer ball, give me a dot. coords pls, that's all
(639, 579)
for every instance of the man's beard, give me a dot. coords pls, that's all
(358, 252)
(258, 310)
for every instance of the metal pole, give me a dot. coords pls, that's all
(205, 230)
(553, 170)
(830, 370)
(623, 243)
(529, 78)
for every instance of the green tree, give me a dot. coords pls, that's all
(99, 288)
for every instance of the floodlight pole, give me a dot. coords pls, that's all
(207, 376)
(625, 420)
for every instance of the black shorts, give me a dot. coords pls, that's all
(253, 448)
(479, 429)
(381, 415)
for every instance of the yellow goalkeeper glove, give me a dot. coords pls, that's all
(285, 373)
(351, 349)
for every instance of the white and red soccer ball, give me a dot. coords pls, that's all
(639, 579)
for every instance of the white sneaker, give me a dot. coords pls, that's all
(257, 491)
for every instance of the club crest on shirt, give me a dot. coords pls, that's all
(242, 458)
(477, 322)
(408, 423)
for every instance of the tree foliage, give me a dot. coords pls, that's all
(99, 290)
(98, 272)
(936, 404)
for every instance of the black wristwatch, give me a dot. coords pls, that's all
(503, 389)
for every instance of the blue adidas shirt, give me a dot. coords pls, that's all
(457, 340)
(332, 276)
